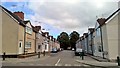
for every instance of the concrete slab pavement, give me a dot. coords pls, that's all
(28, 59)
(91, 62)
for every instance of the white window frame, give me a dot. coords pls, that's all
(29, 30)
(28, 45)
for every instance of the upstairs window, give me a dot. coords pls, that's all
(29, 30)
(28, 45)
(45, 47)
(98, 32)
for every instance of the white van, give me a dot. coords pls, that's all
(78, 51)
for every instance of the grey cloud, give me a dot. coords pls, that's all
(82, 14)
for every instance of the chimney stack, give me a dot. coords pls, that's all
(38, 28)
(20, 15)
(101, 21)
(91, 30)
(47, 34)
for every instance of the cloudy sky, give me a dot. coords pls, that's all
(57, 16)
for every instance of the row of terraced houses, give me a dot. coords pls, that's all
(103, 40)
(20, 37)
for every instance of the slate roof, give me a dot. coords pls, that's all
(21, 22)
(113, 14)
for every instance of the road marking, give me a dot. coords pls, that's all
(39, 65)
(59, 65)
(31, 64)
(57, 62)
(68, 65)
(43, 58)
(77, 65)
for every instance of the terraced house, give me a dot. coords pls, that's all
(90, 41)
(57, 45)
(39, 39)
(12, 28)
(50, 43)
(103, 41)
(85, 35)
(107, 36)
(20, 38)
(30, 39)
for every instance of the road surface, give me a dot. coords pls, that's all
(63, 58)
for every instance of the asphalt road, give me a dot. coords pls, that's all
(63, 58)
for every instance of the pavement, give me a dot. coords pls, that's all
(20, 61)
(92, 62)
(100, 59)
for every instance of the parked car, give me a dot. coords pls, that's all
(58, 49)
(61, 49)
(73, 49)
(54, 50)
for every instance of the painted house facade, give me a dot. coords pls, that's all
(39, 40)
(98, 45)
(1, 32)
(45, 41)
(83, 43)
(85, 35)
(50, 43)
(57, 45)
(30, 39)
(90, 41)
(78, 43)
(26, 38)
(107, 36)
(12, 27)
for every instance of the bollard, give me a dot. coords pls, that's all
(118, 60)
(82, 56)
(44, 53)
(4, 56)
(38, 54)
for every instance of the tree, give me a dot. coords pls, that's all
(63, 38)
(74, 36)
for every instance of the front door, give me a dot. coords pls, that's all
(20, 47)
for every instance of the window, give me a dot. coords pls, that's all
(28, 45)
(39, 46)
(29, 30)
(98, 32)
(45, 47)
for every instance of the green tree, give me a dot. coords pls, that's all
(74, 36)
(63, 38)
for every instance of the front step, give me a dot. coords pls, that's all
(27, 55)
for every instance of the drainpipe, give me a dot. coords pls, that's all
(87, 44)
(24, 38)
(102, 42)
(35, 41)
(92, 43)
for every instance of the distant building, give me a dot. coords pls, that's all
(91, 41)
(85, 35)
